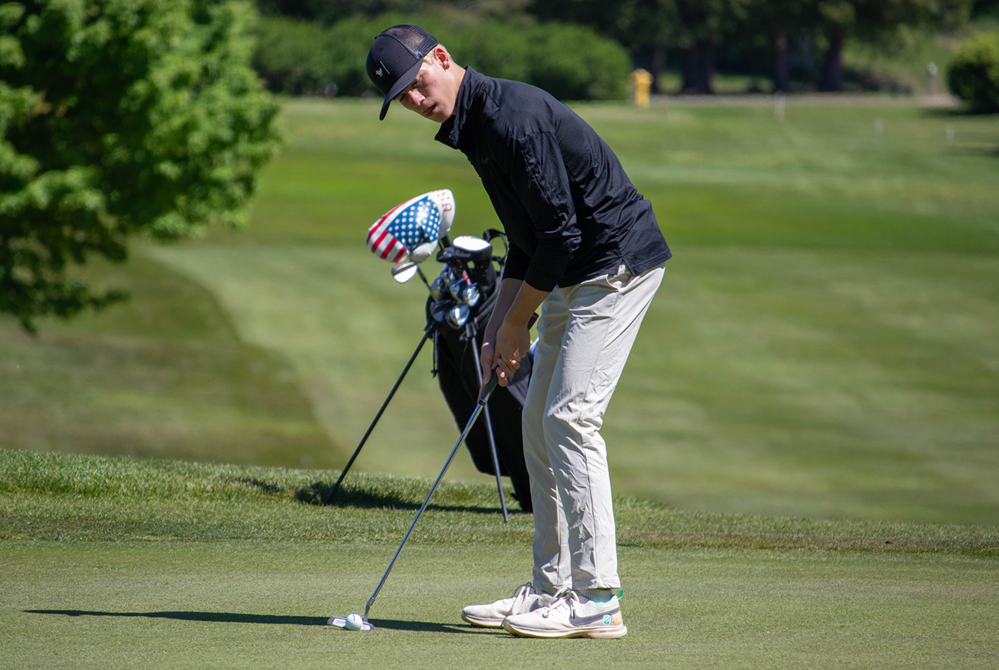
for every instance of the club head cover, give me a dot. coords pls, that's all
(411, 230)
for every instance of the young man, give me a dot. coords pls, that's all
(586, 249)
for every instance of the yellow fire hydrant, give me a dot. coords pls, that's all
(641, 82)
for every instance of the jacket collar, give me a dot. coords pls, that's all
(450, 130)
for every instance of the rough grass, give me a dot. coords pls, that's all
(67, 498)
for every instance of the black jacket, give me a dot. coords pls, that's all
(568, 207)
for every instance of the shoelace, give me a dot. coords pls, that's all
(563, 599)
(520, 595)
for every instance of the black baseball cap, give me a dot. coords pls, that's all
(395, 59)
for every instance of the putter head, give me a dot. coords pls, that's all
(341, 622)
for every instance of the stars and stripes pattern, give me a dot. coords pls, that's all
(405, 227)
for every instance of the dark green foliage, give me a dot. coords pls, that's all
(974, 74)
(574, 63)
(985, 8)
(569, 61)
(119, 117)
(292, 56)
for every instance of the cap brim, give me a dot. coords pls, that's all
(401, 84)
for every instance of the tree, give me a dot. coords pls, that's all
(648, 25)
(117, 118)
(877, 21)
(703, 25)
(780, 23)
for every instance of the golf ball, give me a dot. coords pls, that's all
(354, 622)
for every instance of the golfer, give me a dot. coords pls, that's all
(585, 249)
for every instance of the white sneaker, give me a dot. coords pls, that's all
(524, 599)
(570, 616)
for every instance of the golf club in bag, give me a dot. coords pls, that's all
(460, 304)
(356, 622)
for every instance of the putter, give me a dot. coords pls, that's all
(353, 622)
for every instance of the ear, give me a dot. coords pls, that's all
(442, 57)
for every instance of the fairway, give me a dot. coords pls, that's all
(823, 344)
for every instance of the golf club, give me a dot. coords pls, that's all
(353, 622)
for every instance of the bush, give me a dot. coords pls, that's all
(292, 56)
(570, 62)
(574, 63)
(495, 49)
(974, 73)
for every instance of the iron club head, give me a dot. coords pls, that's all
(403, 272)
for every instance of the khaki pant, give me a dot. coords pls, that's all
(585, 334)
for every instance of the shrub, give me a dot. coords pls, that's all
(495, 49)
(292, 56)
(570, 62)
(974, 73)
(574, 63)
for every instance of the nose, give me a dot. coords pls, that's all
(415, 98)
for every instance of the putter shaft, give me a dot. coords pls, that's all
(483, 397)
(487, 390)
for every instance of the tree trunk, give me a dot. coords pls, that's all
(832, 64)
(707, 62)
(690, 69)
(657, 64)
(699, 68)
(781, 78)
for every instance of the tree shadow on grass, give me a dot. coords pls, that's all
(358, 497)
(271, 619)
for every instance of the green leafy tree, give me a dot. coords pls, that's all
(974, 74)
(119, 117)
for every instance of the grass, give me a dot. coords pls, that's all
(166, 374)
(821, 347)
(116, 562)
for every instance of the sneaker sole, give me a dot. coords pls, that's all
(482, 623)
(601, 632)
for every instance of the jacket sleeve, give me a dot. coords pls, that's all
(518, 262)
(538, 176)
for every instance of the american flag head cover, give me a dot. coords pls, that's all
(412, 228)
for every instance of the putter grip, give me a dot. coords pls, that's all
(490, 386)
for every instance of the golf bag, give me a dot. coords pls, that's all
(455, 364)
(461, 302)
